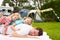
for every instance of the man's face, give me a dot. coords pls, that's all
(34, 32)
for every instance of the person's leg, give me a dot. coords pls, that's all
(14, 34)
(1, 28)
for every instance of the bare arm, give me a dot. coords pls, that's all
(13, 27)
(21, 36)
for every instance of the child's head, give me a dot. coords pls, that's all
(19, 16)
(15, 16)
(28, 21)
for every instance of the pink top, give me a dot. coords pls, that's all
(5, 20)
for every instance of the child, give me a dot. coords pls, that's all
(27, 20)
(7, 20)
(17, 22)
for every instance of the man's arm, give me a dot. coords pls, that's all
(21, 36)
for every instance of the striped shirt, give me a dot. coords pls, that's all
(5, 20)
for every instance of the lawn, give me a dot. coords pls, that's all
(52, 28)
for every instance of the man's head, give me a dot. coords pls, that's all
(36, 32)
(28, 20)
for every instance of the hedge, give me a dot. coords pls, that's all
(49, 15)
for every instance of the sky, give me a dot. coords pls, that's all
(1, 2)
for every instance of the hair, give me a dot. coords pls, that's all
(19, 16)
(24, 18)
(29, 19)
(12, 15)
(16, 14)
(40, 31)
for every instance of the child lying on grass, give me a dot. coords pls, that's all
(7, 20)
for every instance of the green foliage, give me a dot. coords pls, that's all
(49, 16)
(23, 0)
(5, 1)
(16, 9)
(29, 7)
(11, 4)
(55, 5)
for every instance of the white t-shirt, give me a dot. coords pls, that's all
(24, 29)
(9, 30)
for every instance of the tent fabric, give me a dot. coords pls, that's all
(24, 13)
(37, 15)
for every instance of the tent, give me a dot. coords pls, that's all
(36, 15)
(24, 12)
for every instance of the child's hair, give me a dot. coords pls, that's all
(24, 18)
(12, 15)
(19, 16)
(28, 18)
(16, 14)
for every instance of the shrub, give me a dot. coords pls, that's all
(49, 15)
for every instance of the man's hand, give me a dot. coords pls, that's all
(17, 29)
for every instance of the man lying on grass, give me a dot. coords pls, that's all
(26, 31)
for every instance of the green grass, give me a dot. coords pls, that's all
(52, 28)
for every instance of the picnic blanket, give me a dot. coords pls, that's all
(43, 37)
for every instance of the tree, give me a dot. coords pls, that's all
(56, 7)
(5, 1)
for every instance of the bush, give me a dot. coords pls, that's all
(49, 15)
(29, 7)
(16, 9)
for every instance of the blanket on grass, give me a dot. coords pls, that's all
(43, 37)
